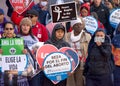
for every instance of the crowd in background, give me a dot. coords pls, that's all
(99, 61)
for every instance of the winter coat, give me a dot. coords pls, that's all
(103, 15)
(43, 14)
(99, 60)
(58, 43)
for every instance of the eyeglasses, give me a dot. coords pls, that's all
(28, 15)
(8, 28)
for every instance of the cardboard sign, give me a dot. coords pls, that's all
(46, 50)
(64, 12)
(20, 5)
(114, 18)
(12, 56)
(91, 24)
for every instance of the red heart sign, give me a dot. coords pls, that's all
(44, 51)
(20, 5)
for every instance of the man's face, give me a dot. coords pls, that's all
(97, 2)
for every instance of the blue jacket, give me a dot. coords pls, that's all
(42, 14)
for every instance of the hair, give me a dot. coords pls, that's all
(9, 22)
(30, 32)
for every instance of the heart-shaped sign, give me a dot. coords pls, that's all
(20, 5)
(45, 52)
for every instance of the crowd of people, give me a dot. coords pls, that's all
(99, 53)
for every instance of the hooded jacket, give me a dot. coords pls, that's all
(54, 41)
(99, 57)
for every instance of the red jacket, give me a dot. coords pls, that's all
(40, 32)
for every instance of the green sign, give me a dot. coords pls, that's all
(12, 46)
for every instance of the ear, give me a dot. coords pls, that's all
(113, 49)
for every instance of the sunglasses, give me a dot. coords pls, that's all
(28, 15)
(9, 28)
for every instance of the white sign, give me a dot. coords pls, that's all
(91, 24)
(114, 18)
(56, 63)
(14, 62)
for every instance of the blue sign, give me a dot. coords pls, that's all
(56, 66)
(114, 18)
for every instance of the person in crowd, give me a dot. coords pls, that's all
(98, 68)
(2, 21)
(116, 3)
(116, 54)
(8, 74)
(109, 4)
(26, 32)
(103, 15)
(78, 39)
(44, 14)
(100, 25)
(38, 29)
(56, 39)
(84, 10)
(29, 41)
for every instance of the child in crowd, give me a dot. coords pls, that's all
(56, 39)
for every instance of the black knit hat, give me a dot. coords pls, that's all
(33, 12)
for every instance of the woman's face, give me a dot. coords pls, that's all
(78, 27)
(84, 12)
(25, 28)
(9, 30)
(100, 34)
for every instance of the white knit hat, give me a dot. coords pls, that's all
(78, 20)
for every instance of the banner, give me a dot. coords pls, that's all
(12, 56)
(20, 5)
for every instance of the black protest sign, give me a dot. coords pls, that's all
(64, 12)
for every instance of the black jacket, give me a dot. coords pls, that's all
(103, 15)
(99, 58)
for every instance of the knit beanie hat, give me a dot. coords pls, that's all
(26, 21)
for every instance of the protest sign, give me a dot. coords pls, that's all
(114, 18)
(56, 65)
(45, 52)
(91, 24)
(12, 56)
(63, 12)
(20, 5)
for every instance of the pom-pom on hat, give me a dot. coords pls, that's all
(26, 21)
(78, 20)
